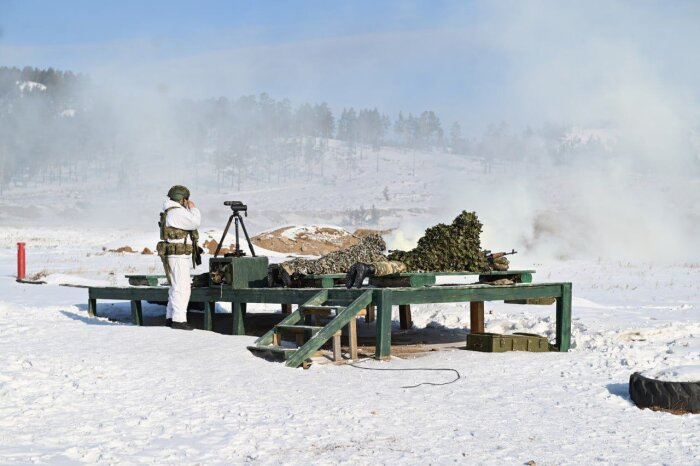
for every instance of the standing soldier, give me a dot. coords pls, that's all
(179, 221)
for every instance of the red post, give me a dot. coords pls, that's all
(21, 262)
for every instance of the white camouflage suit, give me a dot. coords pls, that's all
(180, 264)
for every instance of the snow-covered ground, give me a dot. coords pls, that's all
(101, 391)
(80, 390)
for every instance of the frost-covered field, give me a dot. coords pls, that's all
(81, 390)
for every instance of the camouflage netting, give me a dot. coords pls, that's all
(447, 248)
(369, 249)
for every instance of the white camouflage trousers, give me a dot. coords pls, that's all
(180, 288)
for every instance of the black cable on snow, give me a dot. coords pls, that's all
(410, 369)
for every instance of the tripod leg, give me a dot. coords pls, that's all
(250, 244)
(228, 225)
(238, 244)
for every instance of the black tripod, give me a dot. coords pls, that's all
(237, 207)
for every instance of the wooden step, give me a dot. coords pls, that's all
(311, 307)
(337, 302)
(297, 329)
(277, 352)
(331, 331)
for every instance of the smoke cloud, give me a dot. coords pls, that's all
(597, 157)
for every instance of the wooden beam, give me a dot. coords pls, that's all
(476, 316)
(331, 328)
(465, 293)
(405, 316)
(404, 279)
(370, 315)
(352, 339)
(238, 324)
(209, 310)
(383, 299)
(136, 313)
(92, 307)
(337, 356)
(563, 324)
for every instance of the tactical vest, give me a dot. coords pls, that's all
(165, 248)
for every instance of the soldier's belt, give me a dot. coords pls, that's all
(173, 249)
(176, 240)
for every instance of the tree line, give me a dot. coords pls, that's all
(58, 126)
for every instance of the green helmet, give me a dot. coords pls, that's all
(178, 193)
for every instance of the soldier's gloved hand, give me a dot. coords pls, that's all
(357, 274)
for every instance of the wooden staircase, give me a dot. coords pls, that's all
(305, 325)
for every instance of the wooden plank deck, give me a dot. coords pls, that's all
(383, 299)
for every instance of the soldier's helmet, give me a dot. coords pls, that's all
(178, 193)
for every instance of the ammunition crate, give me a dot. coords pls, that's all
(238, 272)
(498, 343)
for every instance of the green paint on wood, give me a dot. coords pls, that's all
(451, 294)
(292, 318)
(136, 313)
(92, 307)
(209, 310)
(383, 299)
(403, 279)
(563, 324)
(238, 310)
(322, 281)
(143, 280)
(241, 272)
(341, 320)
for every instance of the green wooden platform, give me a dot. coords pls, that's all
(411, 279)
(382, 298)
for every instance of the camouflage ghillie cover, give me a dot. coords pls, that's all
(447, 248)
(369, 249)
(500, 263)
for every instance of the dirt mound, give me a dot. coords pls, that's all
(123, 249)
(211, 245)
(309, 240)
(362, 232)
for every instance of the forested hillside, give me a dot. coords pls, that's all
(58, 126)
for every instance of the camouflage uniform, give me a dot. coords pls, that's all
(501, 263)
(443, 248)
(370, 249)
(447, 248)
(387, 267)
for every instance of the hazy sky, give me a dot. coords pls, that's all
(479, 62)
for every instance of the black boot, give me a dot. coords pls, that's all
(286, 279)
(357, 274)
(182, 326)
(273, 273)
(168, 322)
(277, 276)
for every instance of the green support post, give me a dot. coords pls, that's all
(238, 310)
(209, 309)
(92, 307)
(564, 318)
(383, 335)
(136, 313)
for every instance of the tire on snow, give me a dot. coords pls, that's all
(678, 397)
